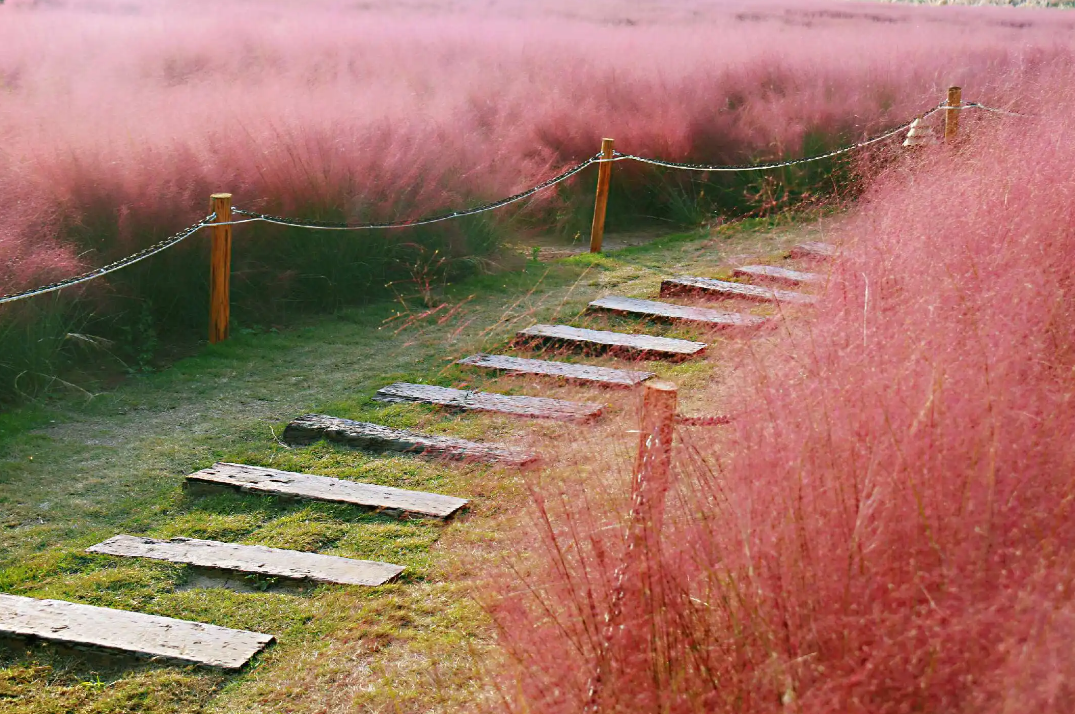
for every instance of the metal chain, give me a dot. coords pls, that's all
(703, 420)
(777, 165)
(255, 217)
(976, 105)
(112, 267)
(323, 225)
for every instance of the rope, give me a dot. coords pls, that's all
(325, 226)
(112, 267)
(703, 420)
(976, 105)
(253, 217)
(256, 217)
(777, 165)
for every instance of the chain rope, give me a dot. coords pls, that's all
(976, 105)
(327, 226)
(703, 420)
(253, 217)
(775, 165)
(113, 267)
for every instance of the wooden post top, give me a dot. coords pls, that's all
(660, 385)
(220, 195)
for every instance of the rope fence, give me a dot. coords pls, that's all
(113, 267)
(220, 220)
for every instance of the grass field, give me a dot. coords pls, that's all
(76, 471)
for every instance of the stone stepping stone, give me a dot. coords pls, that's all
(566, 370)
(536, 407)
(270, 482)
(724, 289)
(374, 437)
(813, 250)
(676, 313)
(615, 342)
(775, 274)
(256, 559)
(71, 624)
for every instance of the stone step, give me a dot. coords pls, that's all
(779, 275)
(613, 342)
(535, 407)
(574, 372)
(813, 250)
(675, 313)
(255, 559)
(82, 626)
(285, 484)
(708, 287)
(374, 437)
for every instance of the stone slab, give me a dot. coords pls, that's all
(535, 407)
(565, 370)
(374, 437)
(778, 275)
(813, 250)
(255, 559)
(615, 342)
(675, 313)
(271, 482)
(723, 289)
(142, 635)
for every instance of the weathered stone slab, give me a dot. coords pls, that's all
(676, 313)
(536, 407)
(256, 559)
(77, 625)
(724, 289)
(565, 370)
(615, 342)
(778, 275)
(814, 250)
(374, 437)
(270, 482)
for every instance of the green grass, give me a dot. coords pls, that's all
(77, 470)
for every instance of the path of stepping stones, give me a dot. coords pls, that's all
(143, 635)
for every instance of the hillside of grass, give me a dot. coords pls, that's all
(120, 119)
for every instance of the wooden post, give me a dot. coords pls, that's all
(654, 462)
(652, 477)
(220, 269)
(604, 174)
(951, 115)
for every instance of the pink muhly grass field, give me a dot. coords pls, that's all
(118, 119)
(888, 525)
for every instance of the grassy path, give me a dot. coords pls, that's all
(74, 472)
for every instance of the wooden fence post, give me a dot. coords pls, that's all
(604, 174)
(654, 462)
(652, 478)
(951, 115)
(220, 269)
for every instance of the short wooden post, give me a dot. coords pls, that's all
(604, 174)
(654, 462)
(951, 114)
(220, 269)
(652, 478)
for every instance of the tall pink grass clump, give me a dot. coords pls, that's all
(887, 526)
(123, 117)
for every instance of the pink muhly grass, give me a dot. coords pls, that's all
(887, 526)
(122, 117)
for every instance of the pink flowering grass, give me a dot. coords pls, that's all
(887, 526)
(118, 119)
